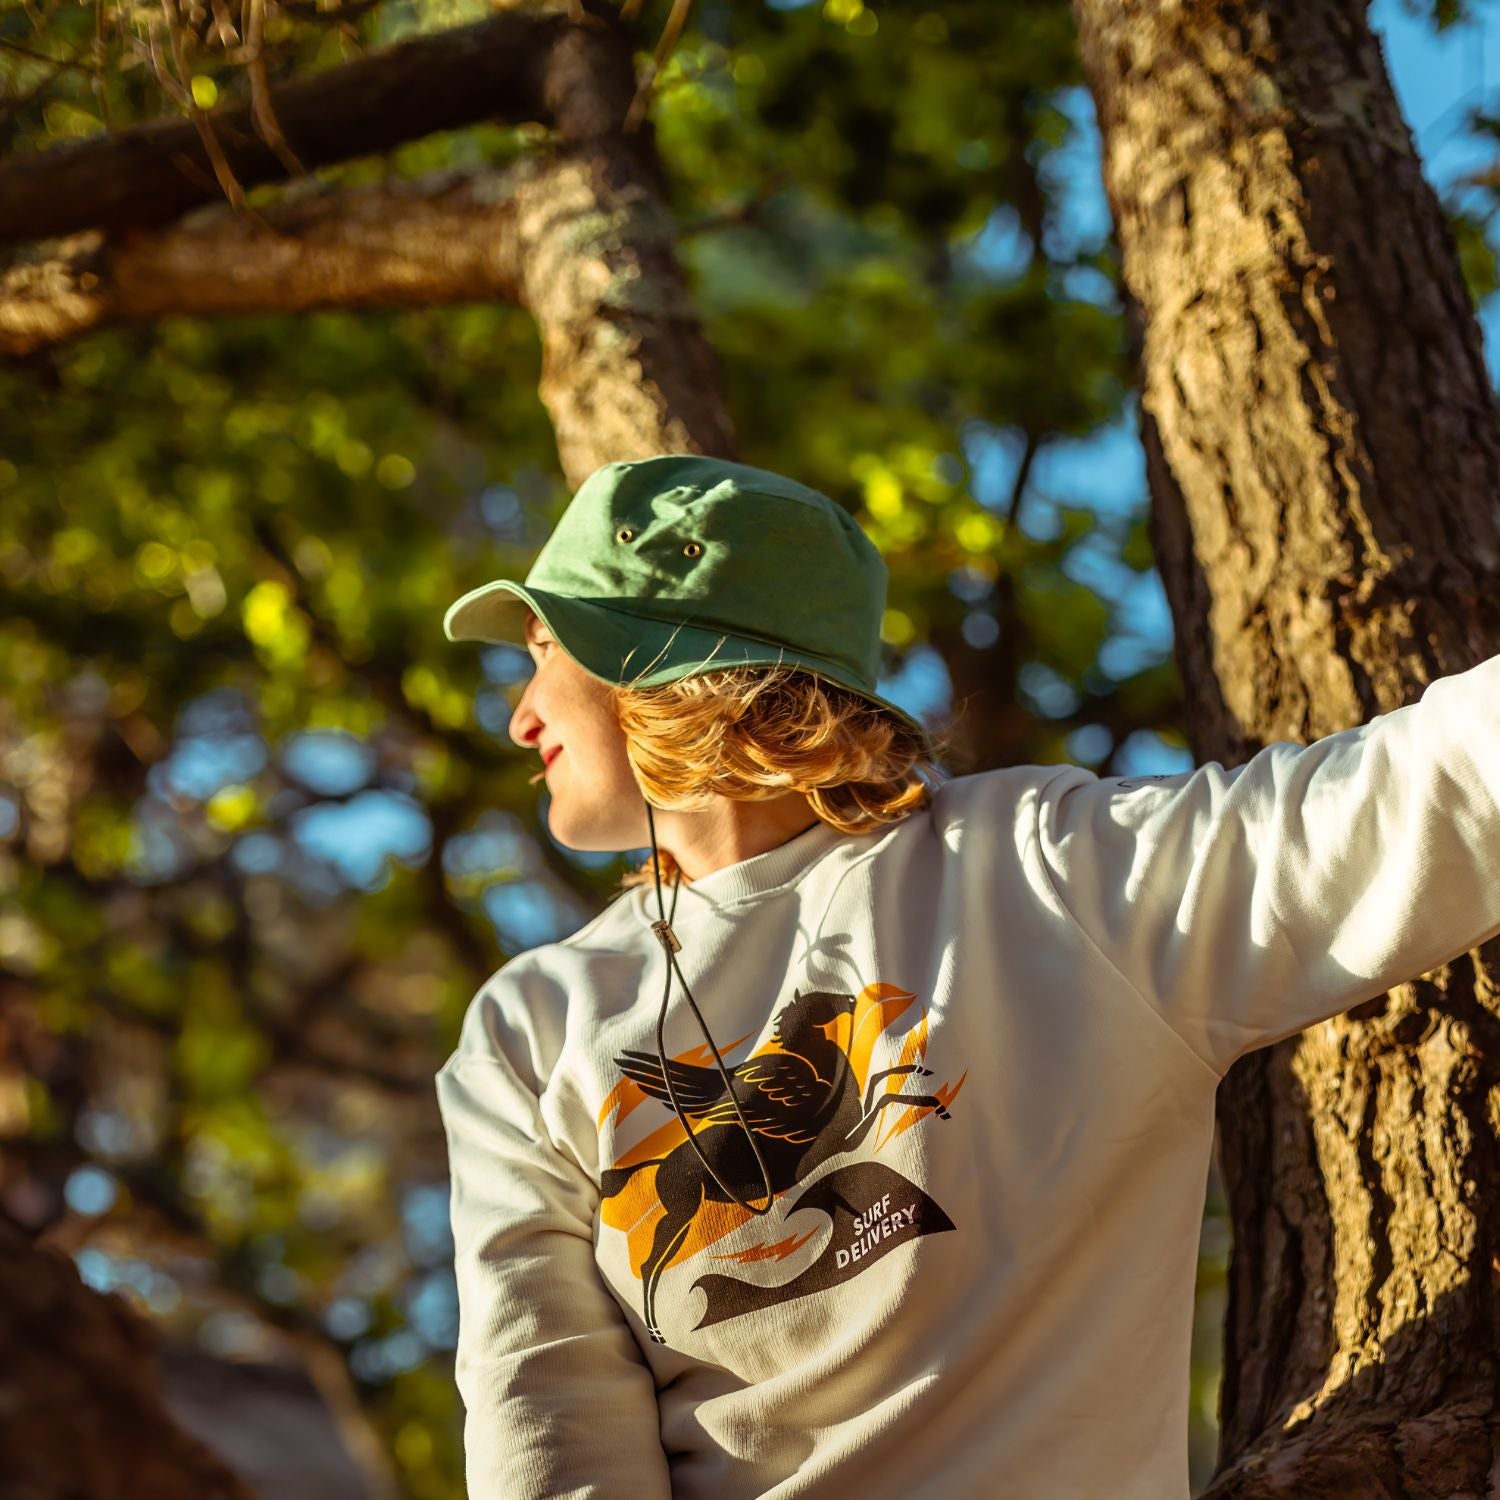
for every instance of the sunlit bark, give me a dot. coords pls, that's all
(1324, 457)
(578, 233)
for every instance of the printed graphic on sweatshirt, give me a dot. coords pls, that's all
(836, 1079)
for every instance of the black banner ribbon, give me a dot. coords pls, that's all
(874, 1210)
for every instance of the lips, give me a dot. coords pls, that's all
(548, 756)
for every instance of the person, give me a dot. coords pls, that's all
(858, 1146)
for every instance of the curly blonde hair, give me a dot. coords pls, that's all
(753, 733)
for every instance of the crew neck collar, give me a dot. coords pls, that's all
(761, 872)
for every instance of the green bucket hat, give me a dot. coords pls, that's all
(666, 567)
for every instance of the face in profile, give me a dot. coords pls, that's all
(568, 716)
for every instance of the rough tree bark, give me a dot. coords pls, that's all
(79, 1409)
(1324, 458)
(576, 231)
(398, 244)
(626, 371)
(579, 234)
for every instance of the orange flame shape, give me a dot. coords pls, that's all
(779, 1251)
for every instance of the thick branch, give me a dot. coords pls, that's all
(418, 243)
(581, 235)
(152, 174)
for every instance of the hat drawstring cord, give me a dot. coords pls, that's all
(670, 943)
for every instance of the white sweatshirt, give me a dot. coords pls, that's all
(986, 1292)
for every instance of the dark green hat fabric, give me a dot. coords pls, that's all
(665, 567)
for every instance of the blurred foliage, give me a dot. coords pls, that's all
(1476, 254)
(262, 832)
(1442, 13)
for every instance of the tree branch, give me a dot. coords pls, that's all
(207, 136)
(152, 174)
(417, 243)
(261, 109)
(626, 371)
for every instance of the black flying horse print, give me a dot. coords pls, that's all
(810, 1094)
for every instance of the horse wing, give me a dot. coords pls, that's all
(697, 1088)
(780, 1095)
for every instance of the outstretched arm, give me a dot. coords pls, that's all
(558, 1400)
(1246, 904)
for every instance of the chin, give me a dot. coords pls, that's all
(585, 835)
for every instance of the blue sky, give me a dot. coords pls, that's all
(1438, 78)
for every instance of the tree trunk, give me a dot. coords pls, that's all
(626, 371)
(76, 1415)
(1324, 456)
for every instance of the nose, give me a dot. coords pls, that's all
(525, 725)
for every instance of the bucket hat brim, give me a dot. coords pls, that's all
(631, 649)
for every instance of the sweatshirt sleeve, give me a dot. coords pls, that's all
(1246, 904)
(558, 1400)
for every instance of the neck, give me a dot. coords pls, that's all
(707, 839)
